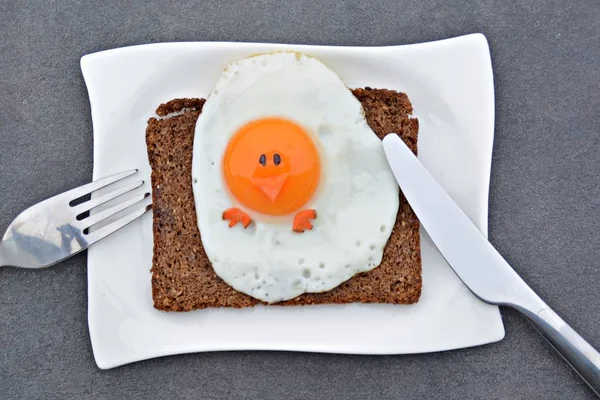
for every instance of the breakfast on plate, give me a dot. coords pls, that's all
(276, 190)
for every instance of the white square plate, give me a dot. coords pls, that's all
(450, 84)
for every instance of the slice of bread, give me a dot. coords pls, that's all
(182, 276)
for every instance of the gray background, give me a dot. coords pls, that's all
(544, 205)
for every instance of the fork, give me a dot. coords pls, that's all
(62, 226)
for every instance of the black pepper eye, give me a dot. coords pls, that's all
(276, 159)
(262, 160)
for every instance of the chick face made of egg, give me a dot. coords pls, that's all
(272, 166)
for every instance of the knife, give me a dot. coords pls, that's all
(477, 263)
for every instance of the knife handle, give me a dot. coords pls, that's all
(575, 350)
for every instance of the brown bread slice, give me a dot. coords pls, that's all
(182, 277)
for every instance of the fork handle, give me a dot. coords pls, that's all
(573, 348)
(3, 257)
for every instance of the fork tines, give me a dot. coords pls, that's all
(86, 222)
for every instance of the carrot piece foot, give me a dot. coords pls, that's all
(302, 220)
(235, 215)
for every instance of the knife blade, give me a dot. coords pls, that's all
(478, 264)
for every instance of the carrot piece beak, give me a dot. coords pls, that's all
(270, 186)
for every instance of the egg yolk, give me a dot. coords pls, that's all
(272, 166)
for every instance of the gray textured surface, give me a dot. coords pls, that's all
(544, 206)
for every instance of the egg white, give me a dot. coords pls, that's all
(356, 201)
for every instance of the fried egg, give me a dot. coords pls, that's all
(292, 190)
